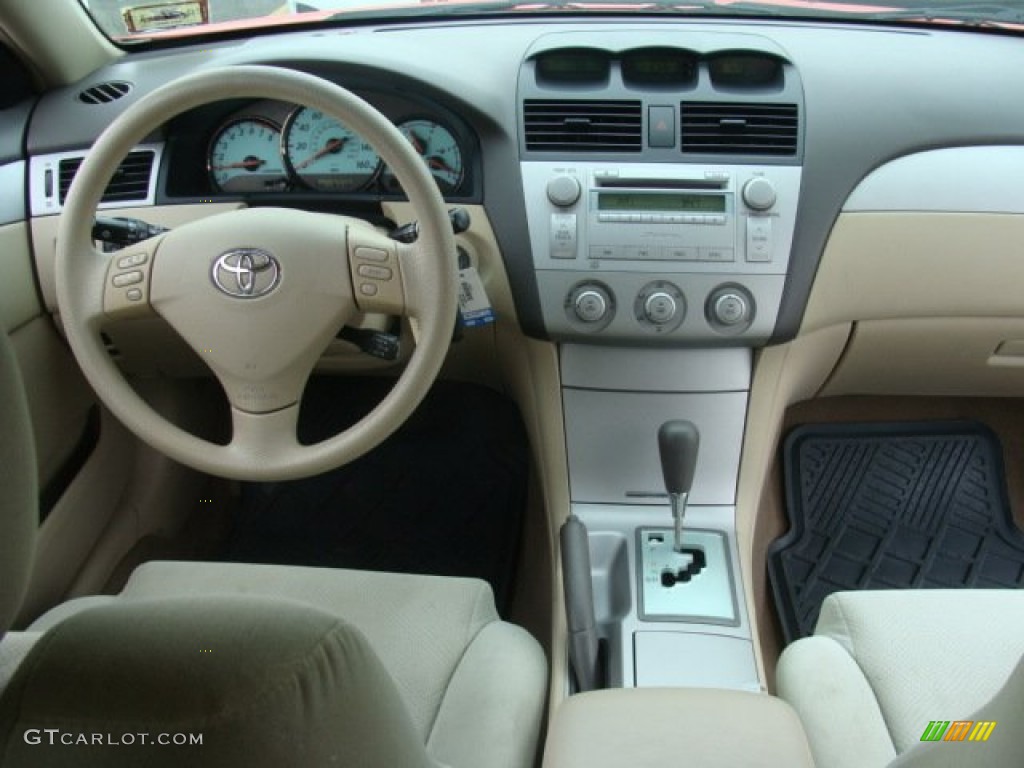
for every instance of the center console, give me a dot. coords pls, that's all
(661, 178)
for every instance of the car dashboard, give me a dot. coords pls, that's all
(676, 217)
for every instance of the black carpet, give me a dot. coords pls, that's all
(891, 506)
(444, 495)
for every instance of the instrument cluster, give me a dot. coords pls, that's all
(274, 147)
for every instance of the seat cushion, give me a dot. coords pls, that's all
(258, 682)
(474, 685)
(883, 664)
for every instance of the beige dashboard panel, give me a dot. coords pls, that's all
(18, 301)
(933, 356)
(880, 266)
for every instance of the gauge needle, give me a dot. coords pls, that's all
(417, 143)
(438, 164)
(332, 145)
(249, 164)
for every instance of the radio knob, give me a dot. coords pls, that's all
(660, 307)
(591, 304)
(563, 191)
(759, 194)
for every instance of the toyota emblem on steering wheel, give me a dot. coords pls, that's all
(246, 273)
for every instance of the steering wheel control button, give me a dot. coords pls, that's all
(375, 272)
(563, 236)
(659, 307)
(371, 254)
(135, 260)
(590, 306)
(127, 278)
(133, 294)
(730, 309)
(246, 273)
(368, 289)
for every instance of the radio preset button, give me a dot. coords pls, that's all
(563, 191)
(605, 252)
(682, 253)
(716, 254)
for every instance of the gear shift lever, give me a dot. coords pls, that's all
(678, 442)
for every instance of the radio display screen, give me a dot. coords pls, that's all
(675, 202)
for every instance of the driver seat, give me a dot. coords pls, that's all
(269, 665)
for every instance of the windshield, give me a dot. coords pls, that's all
(134, 20)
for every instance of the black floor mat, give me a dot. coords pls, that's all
(891, 506)
(444, 495)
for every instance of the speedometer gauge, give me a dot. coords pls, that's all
(245, 156)
(326, 155)
(439, 150)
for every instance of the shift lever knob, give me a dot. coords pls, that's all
(678, 443)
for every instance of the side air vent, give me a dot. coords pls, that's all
(583, 126)
(104, 93)
(130, 180)
(748, 129)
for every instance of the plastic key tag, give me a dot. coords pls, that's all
(473, 302)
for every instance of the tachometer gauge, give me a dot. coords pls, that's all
(439, 150)
(245, 156)
(326, 155)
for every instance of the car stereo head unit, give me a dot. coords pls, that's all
(660, 252)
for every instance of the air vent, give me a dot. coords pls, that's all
(583, 126)
(130, 180)
(747, 129)
(104, 93)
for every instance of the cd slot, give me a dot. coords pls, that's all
(635, 183)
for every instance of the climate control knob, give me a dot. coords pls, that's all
(759, 194)
(730, 309)
(660, 308)
(563, 191)
(591, 304)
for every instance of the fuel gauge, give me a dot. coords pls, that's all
(245, 156)
(439, 149)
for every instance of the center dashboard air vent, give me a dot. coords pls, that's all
(583, 125)
(129, 182)
(738, 128)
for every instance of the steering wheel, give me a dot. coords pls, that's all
(258, 293)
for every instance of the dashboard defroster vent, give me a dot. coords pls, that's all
(583, 126)
(104, 93)
(129, 182)
(731, 128)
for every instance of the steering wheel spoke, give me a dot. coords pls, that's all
(257, 437)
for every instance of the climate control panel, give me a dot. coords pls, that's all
(660, 253)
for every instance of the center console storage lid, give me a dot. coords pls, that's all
(640, 727)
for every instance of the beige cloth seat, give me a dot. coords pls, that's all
(272, 665)
(473, 685)
(882, 665)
